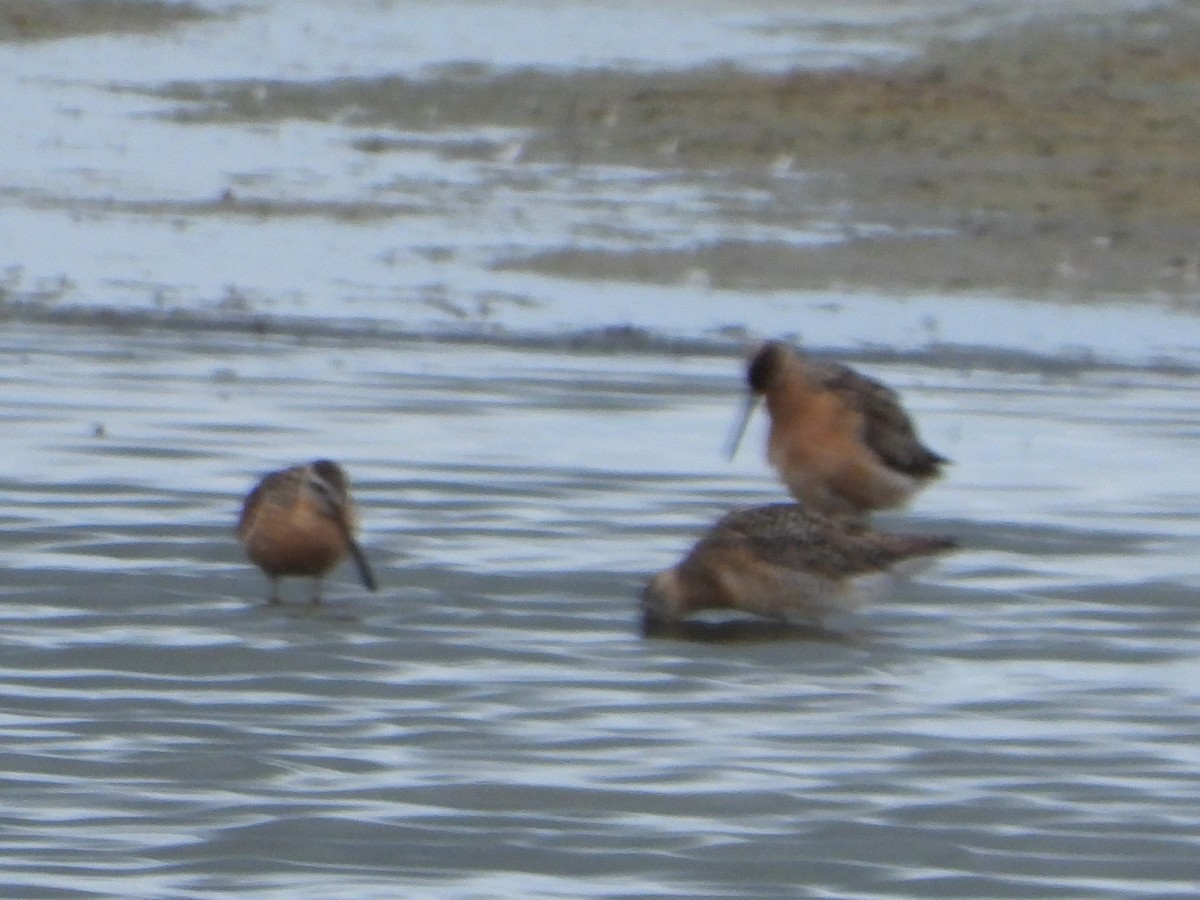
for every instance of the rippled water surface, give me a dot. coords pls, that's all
(1019, 720)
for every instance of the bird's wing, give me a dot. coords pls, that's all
(888, 429)
(792, 537)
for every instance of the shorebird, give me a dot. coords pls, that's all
(840, 441)
(301, 521)
(781, 561)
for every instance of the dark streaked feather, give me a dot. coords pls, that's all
(793, 537)
(889, 431)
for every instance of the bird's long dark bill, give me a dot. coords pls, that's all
(735, 438)
(360, 558)
(364, 568)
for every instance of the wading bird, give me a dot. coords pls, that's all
(840, 441)
(301, 522)
(782, 561)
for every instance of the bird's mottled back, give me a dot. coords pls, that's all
(795, 537)
(783, 561)
(888, 429)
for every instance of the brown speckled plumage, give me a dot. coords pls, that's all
(782, 561)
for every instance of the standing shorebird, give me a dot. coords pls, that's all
(782, 561)
(301, 521)
(840, 441)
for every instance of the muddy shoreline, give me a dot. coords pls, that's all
(50, 20)
(1056, 159)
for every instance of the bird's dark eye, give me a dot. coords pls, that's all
(763, 367)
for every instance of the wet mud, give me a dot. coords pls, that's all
(1057, 157)
(45, 20)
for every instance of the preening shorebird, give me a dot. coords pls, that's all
(301, 522)
(840, 441)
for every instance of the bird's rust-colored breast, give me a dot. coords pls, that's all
(284, 533)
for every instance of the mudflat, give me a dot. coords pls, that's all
(1056, 158)
(47, 20)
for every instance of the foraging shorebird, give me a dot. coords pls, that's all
(301, 521)
(840, 441)
(781, 561)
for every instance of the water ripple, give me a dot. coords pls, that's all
(1019, 720)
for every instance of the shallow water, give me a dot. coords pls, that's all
(1019, 720)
